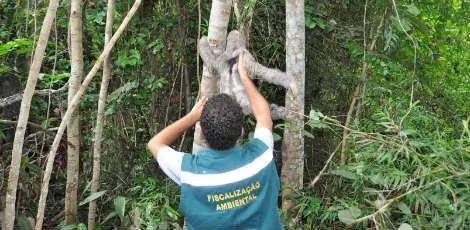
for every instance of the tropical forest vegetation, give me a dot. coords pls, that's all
(374, 132)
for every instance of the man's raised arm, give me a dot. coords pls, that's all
(259, 105)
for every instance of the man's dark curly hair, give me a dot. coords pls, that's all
(221, 121)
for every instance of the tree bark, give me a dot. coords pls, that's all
(95, 181)
(73, 126)
(71, 109)
(217, 34)
(293, 143)
(9, 212)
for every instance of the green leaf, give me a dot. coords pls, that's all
(404, 208)
(315, 115)
(309, 23)
(320, 23)
(412, 9)
(347, 216)
(108, 217)
(110, 111)
(2, 135)
(410, 132)
(120, 206)
(92, 197)
(405, 226)
(81, 226)
(344, 173)
(173, 214)
(308, 134)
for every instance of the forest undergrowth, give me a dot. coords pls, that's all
(405, 161)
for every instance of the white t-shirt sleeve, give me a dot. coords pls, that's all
(170, 162)
(265, 135)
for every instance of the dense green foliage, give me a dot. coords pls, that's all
(408, 151)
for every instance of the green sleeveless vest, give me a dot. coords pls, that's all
(233, 189)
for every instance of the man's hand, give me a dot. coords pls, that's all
(169, 134)
(259, 105)
(197, 109)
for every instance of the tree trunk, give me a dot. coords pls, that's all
(95, 181)
(9, 212)
(293, 143)
(71, 109)
(73, 126)
(217, 34)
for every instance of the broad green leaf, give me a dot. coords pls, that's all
(309, 23)
(120, 206)
(405, 226)
(315, 115)
(347, 216)
(81, 226)
(92, 197)
(320, 23)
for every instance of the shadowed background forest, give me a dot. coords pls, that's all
(406, 158)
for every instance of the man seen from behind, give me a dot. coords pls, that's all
(225, 186)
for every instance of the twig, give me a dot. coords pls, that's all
(409, 108)
(182, 141)
(50, 85)
(390, 201)
(317, 178)
(365, 67)
(415, 45)
(171, 94)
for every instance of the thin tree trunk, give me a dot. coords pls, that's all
(73, 126)
(71, 109)
(293, 143)
(217, 35)
(187, 89)
(9, 212)
(95, 181)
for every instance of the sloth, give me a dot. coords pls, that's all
(225, 66)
